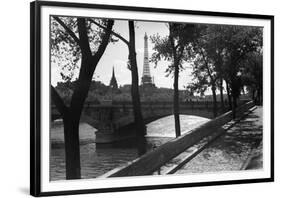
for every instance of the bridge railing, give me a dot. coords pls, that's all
(152, 161)
(124, 106)
(183, 103)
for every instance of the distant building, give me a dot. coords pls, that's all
(146, 79)
(113, 82)
(126, 88)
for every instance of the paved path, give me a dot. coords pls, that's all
(230, 151)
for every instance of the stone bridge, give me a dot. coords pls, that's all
(115, 121)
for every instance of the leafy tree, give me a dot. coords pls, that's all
(252, 75)
(215, 46)
(75, 45)
(175, 48)
(205, 62)
(204, 72)
(208, 62)
(220, 52)
(239, 42)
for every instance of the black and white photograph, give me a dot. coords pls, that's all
(152, 82)
(143, 98)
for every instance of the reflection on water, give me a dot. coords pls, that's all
(94, 162)
(97, 160)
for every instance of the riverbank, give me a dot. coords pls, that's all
(86, 134)
(163, 127)
(98, 159)
(230, 151)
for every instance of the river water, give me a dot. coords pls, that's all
(97, 160)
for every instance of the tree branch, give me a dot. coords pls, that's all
(172, 42)
(207, 67)
(105, 40)
(112, 32)
(181, 49)
(58, 102)
(69, 31)
(241, 56)
(177, 45)
(84, 38)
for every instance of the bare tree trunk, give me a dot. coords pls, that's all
(176, 82)
(221, 94)
(229, 96)
(235, 91)
(71, 138)
(214, 101)
(140, 127)
(72, 149)
(253, 95)
(234, 106)
(176, 101)
(260, 96)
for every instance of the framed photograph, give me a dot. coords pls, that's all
(133, 98)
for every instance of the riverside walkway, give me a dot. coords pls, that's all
(240, 147)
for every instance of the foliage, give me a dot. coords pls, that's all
(220, 52)
(65, 51)
(252, 74)
(183, 35)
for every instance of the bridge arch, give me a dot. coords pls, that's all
(109, 119)
(165, 126)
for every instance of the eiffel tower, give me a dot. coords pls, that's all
(146, 77)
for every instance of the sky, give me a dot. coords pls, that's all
(116, 55)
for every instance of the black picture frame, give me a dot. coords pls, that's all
(36, 97)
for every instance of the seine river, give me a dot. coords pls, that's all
(97, 160)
